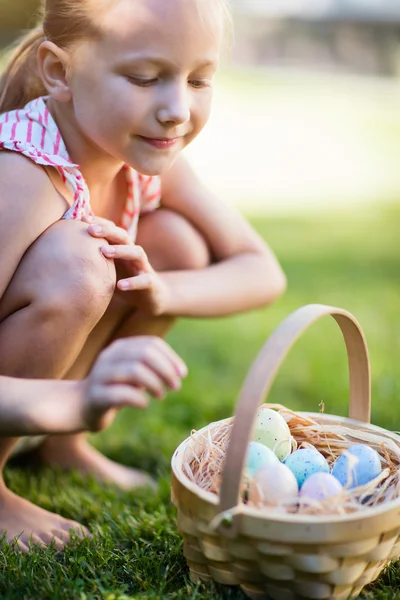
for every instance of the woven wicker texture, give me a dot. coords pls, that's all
(286, 556)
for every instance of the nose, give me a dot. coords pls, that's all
(175, 106)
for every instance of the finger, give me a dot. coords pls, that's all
(135, 284)
(131, 349)
(110, 232)
(165, 367)
(137, 374)
(132, 253)
(177, 361)
(121, 395)
(94, 220)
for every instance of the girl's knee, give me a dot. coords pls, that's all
(80, 272)
(65, 270)
(171, 242)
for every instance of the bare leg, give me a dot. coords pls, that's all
(179, 247)
(49, 308)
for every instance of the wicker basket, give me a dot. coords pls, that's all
(288, 556)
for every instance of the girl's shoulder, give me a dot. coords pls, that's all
(26, 190)
(29, 204)
(32, 131)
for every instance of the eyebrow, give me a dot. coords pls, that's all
(161, 61)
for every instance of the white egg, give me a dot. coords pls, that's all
(273, 485)
(272, 430)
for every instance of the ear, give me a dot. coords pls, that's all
(53, 63)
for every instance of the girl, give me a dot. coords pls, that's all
(95, 107)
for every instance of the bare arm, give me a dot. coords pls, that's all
(124, 375)
(245, 273)
(36, 407)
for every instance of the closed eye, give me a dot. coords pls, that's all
(143, 81)
(200, 83)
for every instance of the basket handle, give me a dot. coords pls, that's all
(262, 375)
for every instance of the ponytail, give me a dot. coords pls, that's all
(20, 83)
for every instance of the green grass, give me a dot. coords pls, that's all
(351, 262)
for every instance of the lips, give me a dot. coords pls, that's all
(161, 143)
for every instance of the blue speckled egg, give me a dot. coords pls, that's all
(365, 466)
(259, 456)
(306, 462)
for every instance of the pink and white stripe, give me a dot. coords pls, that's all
(33, 132)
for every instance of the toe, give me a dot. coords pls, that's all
(37, 541)
(72, 528)
(20, 546)
(79, 530)
(50, 538)
(62, 535)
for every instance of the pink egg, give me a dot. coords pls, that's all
(320, 486)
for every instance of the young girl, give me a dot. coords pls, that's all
(95, 107)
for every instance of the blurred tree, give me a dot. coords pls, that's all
(16, 15)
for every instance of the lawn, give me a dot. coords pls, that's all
(351, 261)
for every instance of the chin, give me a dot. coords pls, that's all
(153, 169)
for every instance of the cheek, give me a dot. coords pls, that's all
(201, 111)
(102, 111)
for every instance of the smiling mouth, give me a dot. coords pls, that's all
(161, 143)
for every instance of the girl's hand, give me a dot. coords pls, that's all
(150, 291)
(125, 373)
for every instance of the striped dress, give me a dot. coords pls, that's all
(33, 132)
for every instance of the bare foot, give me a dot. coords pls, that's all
(26, 524)
(73, 452)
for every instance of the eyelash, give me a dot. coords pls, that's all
(142, 82)
(200, 83)
(195, 83)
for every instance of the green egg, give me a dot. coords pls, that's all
(272, 430)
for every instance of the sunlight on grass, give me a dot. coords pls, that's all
(301, 142)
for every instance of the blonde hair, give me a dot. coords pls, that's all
(63, 22)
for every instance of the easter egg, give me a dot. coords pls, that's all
(273, 485)
(271, 429)
(305, 462)
(320, 486)
(358, 465)
(258, 456)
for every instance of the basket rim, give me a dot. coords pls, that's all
(209, 497)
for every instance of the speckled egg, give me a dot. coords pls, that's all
(272, 430)
(273, 485)
(258, 456)
(320, 486)
(358, 465)
(305, 462)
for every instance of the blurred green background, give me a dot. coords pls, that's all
(304, 139)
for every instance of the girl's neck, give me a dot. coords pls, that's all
(99, 169)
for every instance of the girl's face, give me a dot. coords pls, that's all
(143, 91)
